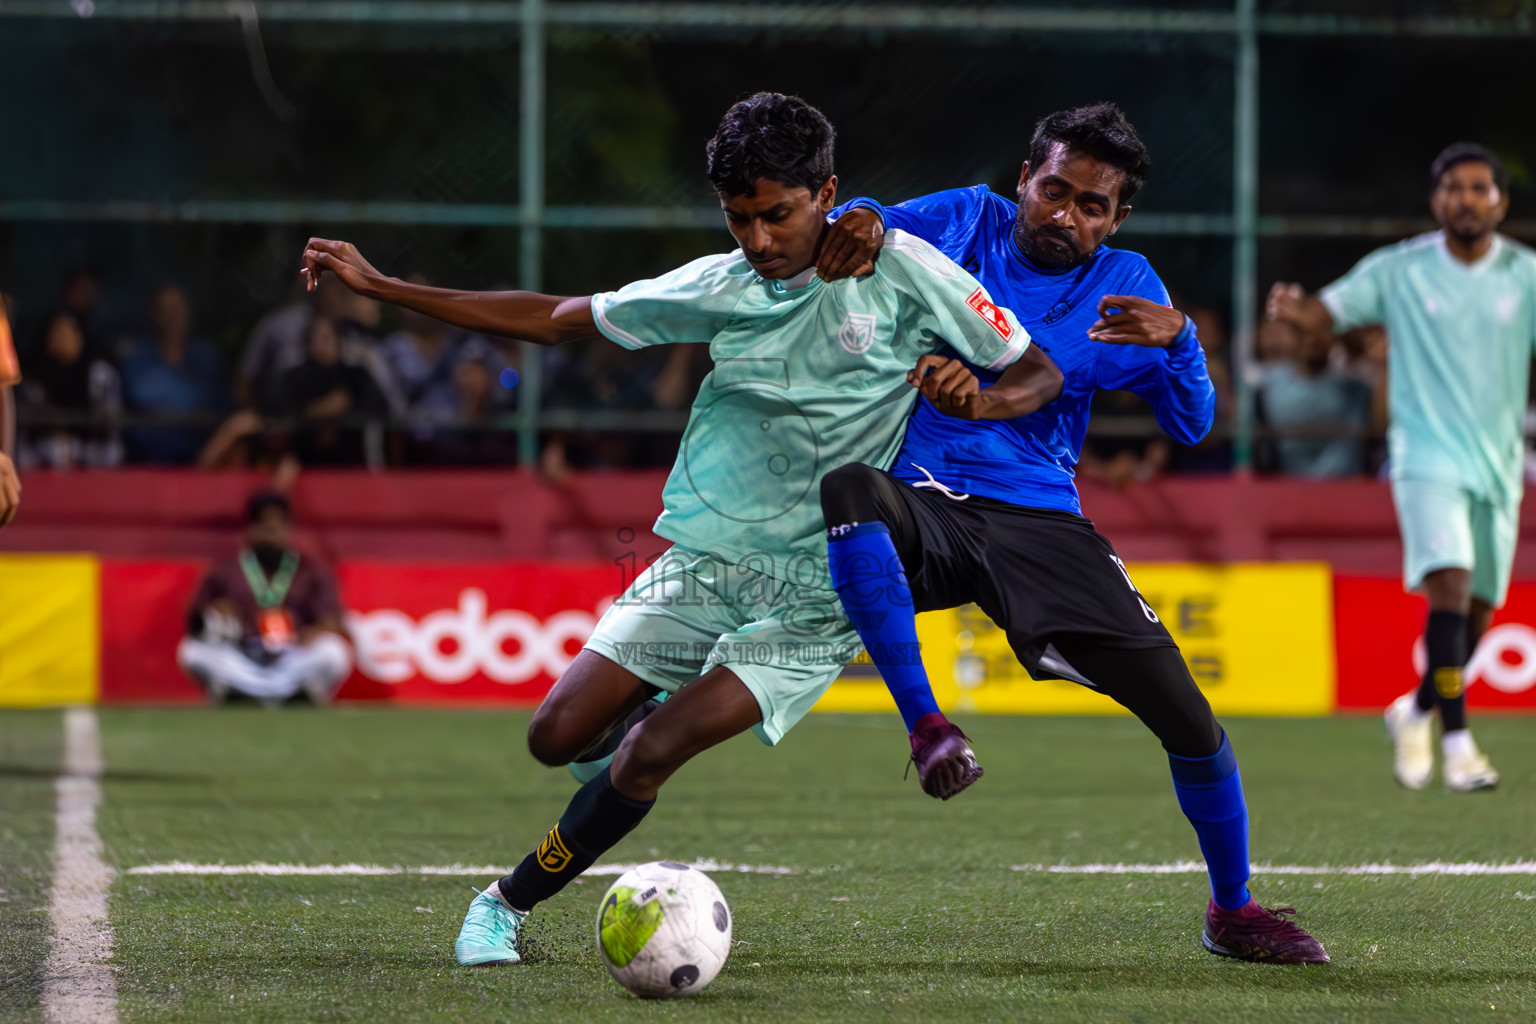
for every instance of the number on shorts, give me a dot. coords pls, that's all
(1146, 609)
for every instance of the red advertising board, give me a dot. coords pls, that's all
(1377, 636)
(469, 632)
(143, 618)
(421, 632)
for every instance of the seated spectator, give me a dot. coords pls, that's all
(1362, 353)
(266, 623)
(1318, 413)
(472, 433)
(587, 376)
(1214, 452)
(451, 383)
(173, 375)
(67, 380)
(81, 296)
(328, 398)
(423, 356)
(277, 344)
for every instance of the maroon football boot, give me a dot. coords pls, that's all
(1260, 935)
(946, 764)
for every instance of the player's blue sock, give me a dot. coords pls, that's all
(1210, 792)
(867, 574)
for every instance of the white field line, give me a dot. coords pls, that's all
(1182, 867)
(1195, 867)
(181, 867)
(78, 987)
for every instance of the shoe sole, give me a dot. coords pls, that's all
(1212, 946)
(1478, 788)
(496, 960)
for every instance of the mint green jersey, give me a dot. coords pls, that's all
(1460, 341)
(808, 376)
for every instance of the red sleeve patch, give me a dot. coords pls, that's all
(990, 313)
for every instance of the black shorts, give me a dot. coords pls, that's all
(1039, 574)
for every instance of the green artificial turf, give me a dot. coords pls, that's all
(900, 908)
(30, 744)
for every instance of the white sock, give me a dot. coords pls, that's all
(1458, 743)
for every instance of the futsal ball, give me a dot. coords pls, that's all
(664, 930)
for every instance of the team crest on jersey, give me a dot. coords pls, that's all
(1507, 307)
(1057, 311)
(857, 333)
(990, 313)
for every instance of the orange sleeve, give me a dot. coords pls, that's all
(10, 368)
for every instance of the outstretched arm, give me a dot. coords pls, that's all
(1291, 304)
(526, 316)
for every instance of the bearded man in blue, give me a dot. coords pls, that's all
(986, 511)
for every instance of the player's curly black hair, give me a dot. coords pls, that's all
(774, 136)
(1460, 153)
(1102, 132)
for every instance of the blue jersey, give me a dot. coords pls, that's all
(1031, 461)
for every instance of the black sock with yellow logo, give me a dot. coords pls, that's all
(1445, 649)
(597, 817)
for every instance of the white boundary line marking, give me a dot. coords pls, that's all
(78, 987)
(181, 867)
(1195, 867)
(1181, 867)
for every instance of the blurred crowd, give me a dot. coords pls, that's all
(333, 379)
(328, 379)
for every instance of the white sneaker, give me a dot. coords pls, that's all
(1466, 769)
(1413, 742)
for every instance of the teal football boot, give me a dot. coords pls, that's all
(489, 935)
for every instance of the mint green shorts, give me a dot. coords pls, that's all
(689, 612)
(1447, 527)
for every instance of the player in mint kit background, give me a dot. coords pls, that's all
(1459, 306)
(738, 621)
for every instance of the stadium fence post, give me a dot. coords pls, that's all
(531, 182)
(1245, 244)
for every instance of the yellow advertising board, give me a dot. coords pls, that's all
(49, 629)
(1258, 639)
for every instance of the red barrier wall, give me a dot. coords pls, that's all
(517, 515)
(552, 553)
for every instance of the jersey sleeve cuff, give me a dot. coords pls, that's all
(601, 303)
(1186, 346)
(1334, 304)
(1011, 355)
(863, 203)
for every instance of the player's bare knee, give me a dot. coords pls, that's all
(1449, 590)
(646, 758)
(847, 494)
(549, 740)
